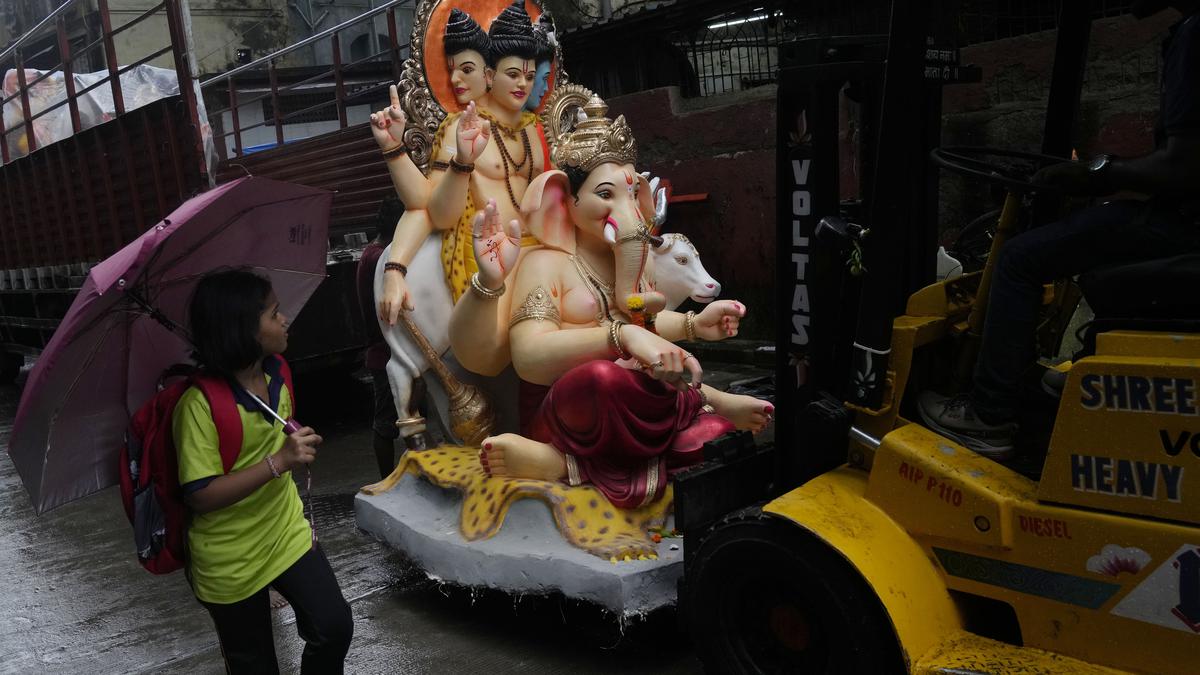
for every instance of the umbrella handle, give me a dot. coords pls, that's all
(289, 426)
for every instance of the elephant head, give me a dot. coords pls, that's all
(596, 192)
(610, 202)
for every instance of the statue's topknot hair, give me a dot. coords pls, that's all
(462, 33)
(512, 34)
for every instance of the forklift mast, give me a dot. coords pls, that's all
(842, 283)
(856, 233)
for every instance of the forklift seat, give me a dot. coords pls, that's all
(1152, 295)
(1157, 289)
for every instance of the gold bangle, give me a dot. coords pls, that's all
(395, 151)
(482, 291)
(458, 167)
(689, 326)
(614, 339)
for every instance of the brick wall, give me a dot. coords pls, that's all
(1118, 107)
(723, 146)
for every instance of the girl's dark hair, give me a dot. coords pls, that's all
(511, 34)
(462, 33)
(224, 319)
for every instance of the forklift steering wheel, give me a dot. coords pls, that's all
(1016, 174)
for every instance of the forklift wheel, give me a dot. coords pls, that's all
(763, 596)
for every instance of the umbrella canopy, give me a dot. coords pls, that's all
(106, 357)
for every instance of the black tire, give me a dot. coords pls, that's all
(763, 596)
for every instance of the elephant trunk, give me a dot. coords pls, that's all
(632, 250)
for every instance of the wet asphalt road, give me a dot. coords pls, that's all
(74, 600)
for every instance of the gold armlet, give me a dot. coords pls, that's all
(537, 306)
(482, 291)
(689, 326)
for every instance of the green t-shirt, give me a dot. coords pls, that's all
(236, 551)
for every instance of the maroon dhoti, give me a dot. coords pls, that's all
(621, 430)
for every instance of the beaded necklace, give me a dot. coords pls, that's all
(506, 159)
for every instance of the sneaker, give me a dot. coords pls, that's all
(1054, 381)
(955, 418)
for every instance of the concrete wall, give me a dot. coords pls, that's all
(571, 13)
(1118, 108)
(18, 16)
(723, 146)
(220, 27)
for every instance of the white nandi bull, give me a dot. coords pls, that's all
(678, 271)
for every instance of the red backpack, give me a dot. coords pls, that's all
(149, 465)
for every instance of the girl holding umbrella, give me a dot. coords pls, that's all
(248, 529)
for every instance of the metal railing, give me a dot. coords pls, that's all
(13, 54)
(739, 49)
(393, 53)
(143, 162)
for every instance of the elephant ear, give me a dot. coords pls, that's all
(545, 210)
(646, 204)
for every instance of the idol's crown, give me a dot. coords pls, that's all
(595, 140)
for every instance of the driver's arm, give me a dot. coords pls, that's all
(1173, 170)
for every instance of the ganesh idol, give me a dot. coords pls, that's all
(607, 398)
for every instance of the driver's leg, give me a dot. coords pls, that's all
(1114, 232)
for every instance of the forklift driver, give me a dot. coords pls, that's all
(1166, 224)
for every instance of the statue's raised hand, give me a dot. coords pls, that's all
(660, 199)
(472, 135)
(496, 248)
(719, 320)
(387, 125)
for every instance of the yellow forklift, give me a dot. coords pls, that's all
(861, 541)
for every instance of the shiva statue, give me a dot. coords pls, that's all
(492, 75)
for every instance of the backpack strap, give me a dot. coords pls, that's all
(286, 371)
(225, 416)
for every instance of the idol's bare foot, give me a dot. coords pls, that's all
(519, 457)
(746, 412)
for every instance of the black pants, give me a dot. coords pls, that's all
(383, 423)
(323, 620)
(1112, 233)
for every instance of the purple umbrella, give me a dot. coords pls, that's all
(105, 359)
